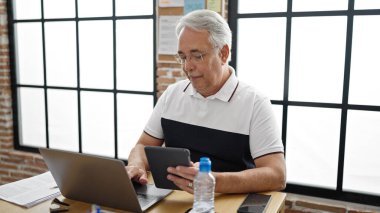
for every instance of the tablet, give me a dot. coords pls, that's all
(160, 158)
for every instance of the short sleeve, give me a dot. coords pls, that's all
(153, 127)
(264, 134)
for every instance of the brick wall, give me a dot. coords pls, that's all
(16, 165)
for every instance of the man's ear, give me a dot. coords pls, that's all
(225, 53)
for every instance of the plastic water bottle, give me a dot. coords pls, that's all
(204, 186)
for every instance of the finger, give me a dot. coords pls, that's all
(184, 171)
(132, 172)
(183, 184)
(196, 164)
(143, 177)
(137, 174)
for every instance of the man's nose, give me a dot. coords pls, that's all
(188, 65)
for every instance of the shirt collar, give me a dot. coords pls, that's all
(224, 94)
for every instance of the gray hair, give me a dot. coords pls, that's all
(220, 32)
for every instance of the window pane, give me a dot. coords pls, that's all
(312, 146)
(94, 8)
(133, 112)
(367, 4)
(97, 123)
(261, 6)
(365, 64)
(362, 160)
(32, 117)
(319, 5)
(135, 59)
(59, 8)
(96, 54)
(261, 54)
(133, 7)
(317, 59)
(63, 119)
(277, 109)
(29, 58)
(61, 55)
(27, 9)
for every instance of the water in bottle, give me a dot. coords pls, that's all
(204, 186)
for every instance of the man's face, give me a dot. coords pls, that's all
(203, 65)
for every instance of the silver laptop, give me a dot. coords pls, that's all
(99, 180)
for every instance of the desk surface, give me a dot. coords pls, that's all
(178, 201)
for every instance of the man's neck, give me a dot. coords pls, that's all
(226, 74)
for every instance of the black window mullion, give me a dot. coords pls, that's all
(114, 77)
(346, 84)
(154, 56)
(286, 73)
(78, 79)
(232, 21)
(44, 71)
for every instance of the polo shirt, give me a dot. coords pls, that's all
(232, 127)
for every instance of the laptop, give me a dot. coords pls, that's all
(99, 180)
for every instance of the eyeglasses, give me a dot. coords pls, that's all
(195, 57)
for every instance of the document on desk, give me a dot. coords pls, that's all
(30, 191)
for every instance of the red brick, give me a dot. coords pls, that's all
(162, 87)
(4, 172)
(320, 207)
(7, 67)
(293, 211)
(288, 203)
(25, 155)
(162, 80)
(360, 211)
(6, 134)
(5, 180)
(35, 170)
(169, 65)
(20, 175)
(161, 72)
(5, 142)
(13, 160)
(178, 74)
(7, 166)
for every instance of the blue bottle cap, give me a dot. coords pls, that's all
(205, 164)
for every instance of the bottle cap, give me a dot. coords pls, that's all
(205, 164)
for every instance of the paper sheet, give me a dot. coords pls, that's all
(191, 5)
(30, 191)
(167, 37)
(215, 5)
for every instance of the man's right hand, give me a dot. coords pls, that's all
(137, 174)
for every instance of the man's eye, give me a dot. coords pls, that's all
(197, 56)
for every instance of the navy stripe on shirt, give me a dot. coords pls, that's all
(228, 151)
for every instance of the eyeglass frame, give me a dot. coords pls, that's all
(197, 58)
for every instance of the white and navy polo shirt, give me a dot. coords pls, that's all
(231, 127)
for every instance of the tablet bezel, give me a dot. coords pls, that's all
(160, 158)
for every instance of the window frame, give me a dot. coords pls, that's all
(338, 193)
(13, 70)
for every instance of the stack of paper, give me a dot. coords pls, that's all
(30, 191)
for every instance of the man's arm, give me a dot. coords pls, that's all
(269, 175)
(137, 162)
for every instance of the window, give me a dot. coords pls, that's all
(83, 73)
(318, 62)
